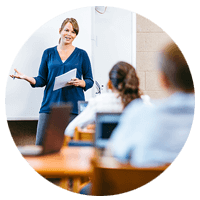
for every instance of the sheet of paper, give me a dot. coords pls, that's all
(62, 80)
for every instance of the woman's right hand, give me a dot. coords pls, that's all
(18, 75)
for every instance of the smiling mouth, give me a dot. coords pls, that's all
(68, 38)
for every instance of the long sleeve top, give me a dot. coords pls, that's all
(106, 102)
(153, 135)
(52, 66)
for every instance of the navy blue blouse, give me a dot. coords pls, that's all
(52, 66)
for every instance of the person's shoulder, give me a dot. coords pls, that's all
(49, 50)
(135, 103)
(106, 99)
(138, 106)
(99, 98)
(81, 51)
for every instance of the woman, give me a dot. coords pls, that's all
(55, 62)
(124, 85)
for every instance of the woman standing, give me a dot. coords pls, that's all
(55, 62)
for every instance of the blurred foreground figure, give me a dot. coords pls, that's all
(154, 135)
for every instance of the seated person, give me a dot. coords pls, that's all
(124, 87)
(152, 136)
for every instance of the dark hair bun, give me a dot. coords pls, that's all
(124, 79)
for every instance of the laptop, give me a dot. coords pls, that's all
(81, 106)
(54, 133)
(105, 124)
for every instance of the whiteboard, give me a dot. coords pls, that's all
(115, 40)
(22, 101)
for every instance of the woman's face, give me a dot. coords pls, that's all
(67, 34)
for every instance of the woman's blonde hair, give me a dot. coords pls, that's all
(74, 25)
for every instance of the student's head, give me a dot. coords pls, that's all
(175, 73)
(124, 80)
(74, 24)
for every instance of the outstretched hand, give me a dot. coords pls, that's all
(18, 75)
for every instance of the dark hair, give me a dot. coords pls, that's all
(175, 68)
(74, 24)
(124, 78)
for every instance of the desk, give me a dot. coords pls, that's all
(70, 162)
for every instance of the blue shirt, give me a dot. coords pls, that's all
(52, 66)
(153, 135)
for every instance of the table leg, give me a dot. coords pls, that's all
(76, 184)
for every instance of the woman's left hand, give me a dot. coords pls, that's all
(77, 82)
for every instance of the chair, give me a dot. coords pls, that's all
(111, 177)
(67, 139)
(83, 134)
(84, 138)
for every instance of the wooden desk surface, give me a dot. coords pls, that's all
(70, 161)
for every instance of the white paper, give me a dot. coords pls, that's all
(62, 80)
